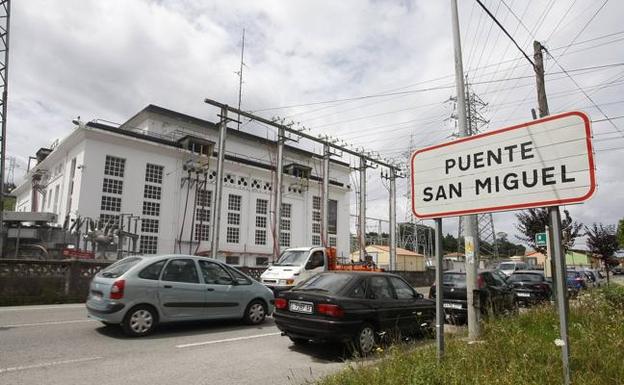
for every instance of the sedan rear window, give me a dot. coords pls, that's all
(521, 277)
(329, 283)
(120, 267)
(454, 279)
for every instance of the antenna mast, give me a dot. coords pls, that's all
(240, 79)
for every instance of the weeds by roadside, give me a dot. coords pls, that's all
(515, 350)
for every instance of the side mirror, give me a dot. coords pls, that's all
(419, 296)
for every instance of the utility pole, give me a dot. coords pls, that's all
(555, 223)
(325, 203)
(471, 237)
(392, 243)
(277, 210)
(216, 212)
(362, 197)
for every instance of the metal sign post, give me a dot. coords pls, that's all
(439, 291)
(560, 282)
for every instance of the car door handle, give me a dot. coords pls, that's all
(167, 286)
(210, 289)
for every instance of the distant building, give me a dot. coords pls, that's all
(153, 167)
(406, 260)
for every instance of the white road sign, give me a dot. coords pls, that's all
(545, 162)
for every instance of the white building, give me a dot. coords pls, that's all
(154, 165)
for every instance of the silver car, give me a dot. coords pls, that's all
(139, 292)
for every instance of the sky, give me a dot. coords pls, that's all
(376, 74)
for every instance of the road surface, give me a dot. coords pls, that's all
(57, 344)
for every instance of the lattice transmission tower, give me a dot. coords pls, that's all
(5, 12)
(476, 121)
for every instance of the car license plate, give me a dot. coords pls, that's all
(300, 307)
(449, 305)
(523, 294)
(96, 295)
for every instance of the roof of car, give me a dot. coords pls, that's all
(528, 272)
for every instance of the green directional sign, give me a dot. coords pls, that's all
(540, 239)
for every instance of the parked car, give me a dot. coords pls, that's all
(139, 292)
(508, 267)
(575, 281)
(531, 287)
(353, 308)
(595, 277)
(619, 269)
(496, 296)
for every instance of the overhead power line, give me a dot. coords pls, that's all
(505, 31)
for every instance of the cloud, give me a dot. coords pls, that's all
(108, 59)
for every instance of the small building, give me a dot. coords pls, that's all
(406, 260)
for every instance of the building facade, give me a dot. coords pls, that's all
(155, 175)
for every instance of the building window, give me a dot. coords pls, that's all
(332, 216)
(284, 239)
(151, 208)
(332, 241)
(149, 225)
(108, 203)
(234, 208)
(202, 215)
(232, 260)
(232, 235)
(56, 199)
(108, 219)
(233, 219)
(260, 238)
(262, 211)
(316, 221)
(112, 186)
(202, 232)
(204, 198)
(153, 173)
(148, 244)
(262, 206)
(152, 192)
(262, 261)
(114, 166)
(234, 202)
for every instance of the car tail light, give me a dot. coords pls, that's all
(281, 303)
(480, 282)
(117, 291)
(330, 310)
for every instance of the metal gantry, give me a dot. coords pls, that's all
(366, 159)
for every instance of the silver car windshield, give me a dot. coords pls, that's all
(292, 258)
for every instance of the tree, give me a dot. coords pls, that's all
(602, 241)
(449, 244)
(620, 233)
(533, 221)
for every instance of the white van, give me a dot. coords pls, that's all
(508, 267)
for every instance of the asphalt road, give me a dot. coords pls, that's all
(57, 344)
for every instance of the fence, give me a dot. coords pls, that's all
(25, 282)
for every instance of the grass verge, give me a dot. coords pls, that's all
(515, 350)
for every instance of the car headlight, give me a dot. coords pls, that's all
(286, 281)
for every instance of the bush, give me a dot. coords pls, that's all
(518, 350)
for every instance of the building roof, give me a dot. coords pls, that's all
(151, 108)
(386, 249)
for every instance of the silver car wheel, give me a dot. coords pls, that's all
(256, 313)
(366, 340)
(141, 321)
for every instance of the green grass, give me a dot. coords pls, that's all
(515, 350)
